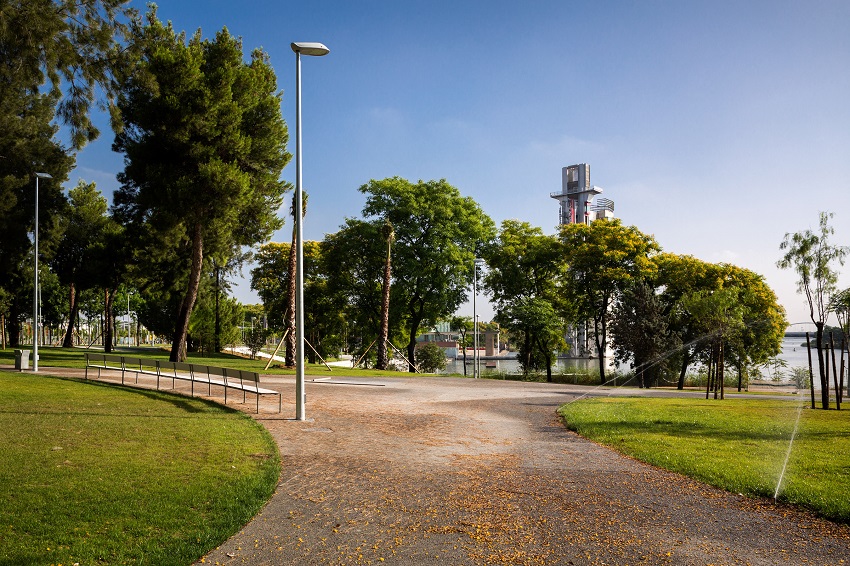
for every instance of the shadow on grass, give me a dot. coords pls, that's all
(191, 405)
(679, 429)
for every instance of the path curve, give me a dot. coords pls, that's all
(460, 471)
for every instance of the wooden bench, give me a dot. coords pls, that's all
(227, 378)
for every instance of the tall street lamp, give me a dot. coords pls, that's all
(35, 286)
(316, 50)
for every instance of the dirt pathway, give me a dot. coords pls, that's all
(456, 471)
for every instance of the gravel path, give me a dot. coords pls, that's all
(456, 471)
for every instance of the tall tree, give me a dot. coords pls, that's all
(813, 257)
(70, 44)
(290, 317)
(640, 332)
(763, 320)
(535, 323)
(525, 268)
(271, 278)
(463, 326)
(438, 234)
(28, 145)
(74, 261)
(679, 276)
(720, 315)
(204, 144)
(354, 261)
(603, 258)
(389, 234)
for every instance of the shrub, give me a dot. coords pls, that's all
(430, 358)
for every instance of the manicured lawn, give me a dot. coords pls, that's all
(737, 444)
(76, 358)
(93, 473)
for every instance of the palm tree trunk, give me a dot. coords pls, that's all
(289, 323)
(385, 311)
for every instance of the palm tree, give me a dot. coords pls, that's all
(289, 317)
(388, 234)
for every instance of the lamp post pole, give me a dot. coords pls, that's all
(35, 296)
(316, 50)
(128, 318)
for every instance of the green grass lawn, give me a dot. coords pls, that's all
(93, 473)
(736, 444)
(76, 358)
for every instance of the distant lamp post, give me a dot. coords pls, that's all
(35, 285)
(128, 317)
(315, 50)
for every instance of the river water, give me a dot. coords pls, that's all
(793, 353)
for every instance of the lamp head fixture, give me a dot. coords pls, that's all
(310, 48)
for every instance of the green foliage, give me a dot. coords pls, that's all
(204, 144)
(523, 262)
(270, 278)
(105, 475)
(640, 333)
(604, 258)
(739, 445)
(202, 326)
(813, 258)
(525, 268)
(430, 358)
(255, 339)
(28, 145)
(438, 234)
(354, 262)
(540, 331)
(68, 44)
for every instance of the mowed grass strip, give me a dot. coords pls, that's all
(739, 445)
(92, 473)
(49, 356)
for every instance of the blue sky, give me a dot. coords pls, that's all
(715, 126)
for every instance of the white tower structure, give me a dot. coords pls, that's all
(579, 205)
(578, 198)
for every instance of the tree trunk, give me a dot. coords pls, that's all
(834, 372)
(385, 312)
(824, 382)
(686, 361)
(463, 347)
(600, 347)
(178, 345)
(411, 344)
(811, 373)
(289, 323)
(14, 327)
(411, 353)
(217, 338)
(68, 342)
(721, 366)
(108, 321)
(708, 374)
